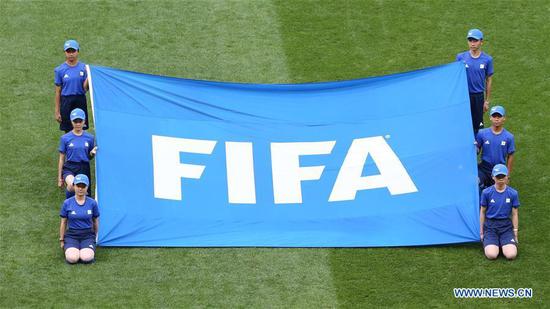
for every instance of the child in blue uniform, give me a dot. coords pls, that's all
(81, 215)
(76, 148)
(497, 227)
(70, 86)
(479, 71)
(496, 145)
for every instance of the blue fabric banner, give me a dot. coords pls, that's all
(384, 161)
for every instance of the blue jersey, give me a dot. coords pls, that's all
(495, 148)
(71, 78)
(477, 70)
(499, 204)
(79, 216)
(76, 148)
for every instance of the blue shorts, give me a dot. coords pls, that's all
(498, 232)
(67, 104)
(484, 172)
(75, 168)
(79, 239)
(476, 108)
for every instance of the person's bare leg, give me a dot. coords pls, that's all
(510, 251)
(72, 255)
(491, 252)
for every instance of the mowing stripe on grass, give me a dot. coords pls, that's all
(219, 40)
(246, 42)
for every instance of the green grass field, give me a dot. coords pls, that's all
(269, 42)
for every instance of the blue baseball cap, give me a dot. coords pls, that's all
(475, 34)
(500, 169)
(71, 44)
(81, 178)
(77, 113)
(497, 110)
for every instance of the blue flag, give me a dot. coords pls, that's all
(384, 161)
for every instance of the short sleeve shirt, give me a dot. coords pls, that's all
(71, 78)
(495, 148)
(76, 148)
(79, 216)
(499, 204)
(477, 70)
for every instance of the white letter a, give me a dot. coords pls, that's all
(392, 172)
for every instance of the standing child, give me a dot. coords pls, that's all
(70, 86)
(479, 71)
(497, 146)
(76, 148)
